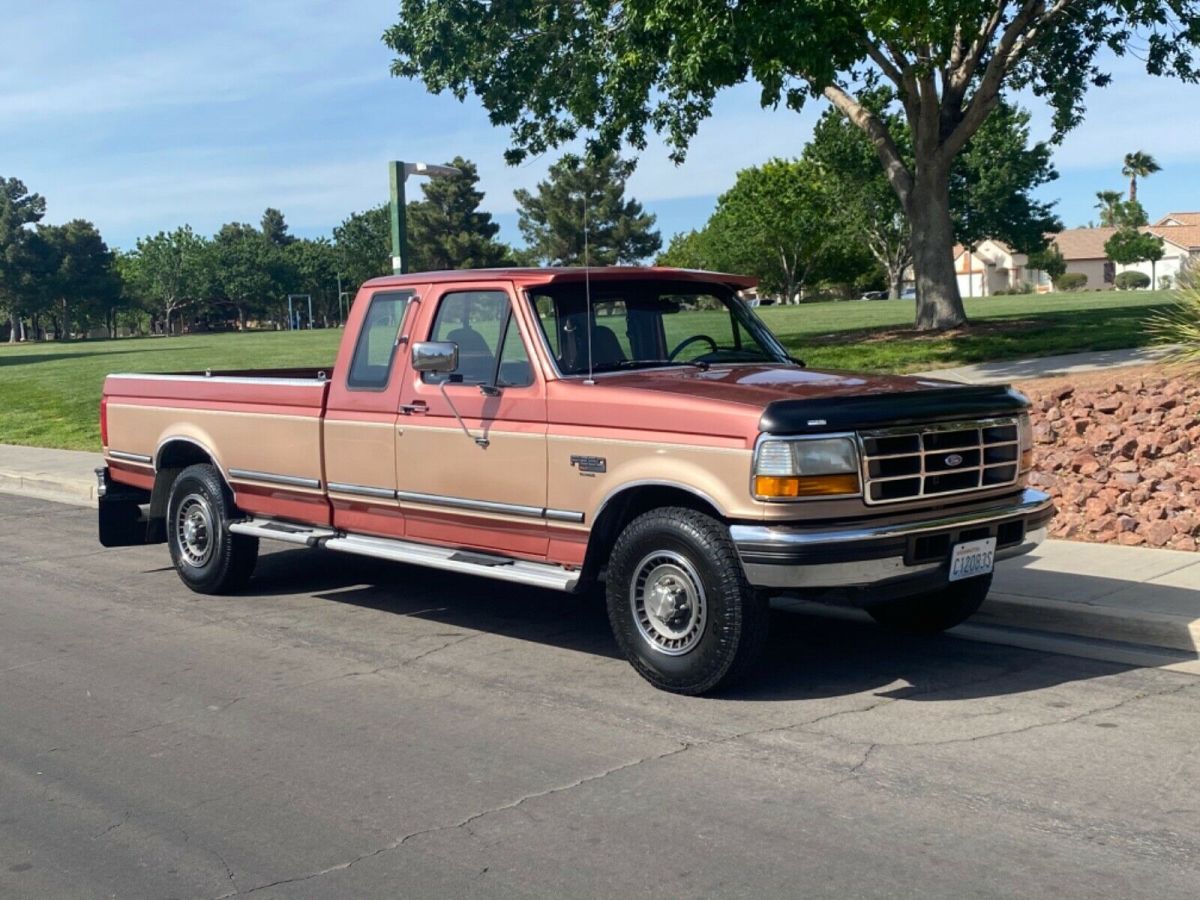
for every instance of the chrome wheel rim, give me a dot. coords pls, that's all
(668, 603)
(194, 530)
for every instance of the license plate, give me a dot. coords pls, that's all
(972, 558)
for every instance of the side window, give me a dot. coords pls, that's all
(474, 320)
(548, 314)
(371, 365)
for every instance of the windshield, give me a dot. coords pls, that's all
(635, 325)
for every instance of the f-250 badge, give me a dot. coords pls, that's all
(590, 465)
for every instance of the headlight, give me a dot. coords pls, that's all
(816, 467)
(1025, 435)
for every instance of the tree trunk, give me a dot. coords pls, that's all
(241, 311)
(66, 320)
(939, 303)
(1133, 189)
(14, 323)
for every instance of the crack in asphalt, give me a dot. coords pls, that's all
(462, 823)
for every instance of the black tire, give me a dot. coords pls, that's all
(685, 559)
(208, 558)
(934, 612)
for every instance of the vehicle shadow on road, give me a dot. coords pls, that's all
(808, 655)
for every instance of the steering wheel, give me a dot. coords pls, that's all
(688, 342)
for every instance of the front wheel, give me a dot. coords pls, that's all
(208, 558)
(679, 604)
(937, 611)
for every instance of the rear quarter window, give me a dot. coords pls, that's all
(375, 350)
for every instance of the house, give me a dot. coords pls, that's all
(1083, 250)
(990, 267)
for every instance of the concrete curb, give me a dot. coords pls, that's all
(77, 492)
(1130, 626)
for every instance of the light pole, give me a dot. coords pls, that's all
(398, 173)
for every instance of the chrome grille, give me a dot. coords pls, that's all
(901, 464)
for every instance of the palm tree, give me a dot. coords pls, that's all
(1109, 200)
(1138, 165)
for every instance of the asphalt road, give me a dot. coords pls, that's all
(359, 730)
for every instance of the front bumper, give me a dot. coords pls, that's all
(912, 554)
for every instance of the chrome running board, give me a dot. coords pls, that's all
(289, 533)
(448, 559)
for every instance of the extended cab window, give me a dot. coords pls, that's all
(490, 349)
(378, 338)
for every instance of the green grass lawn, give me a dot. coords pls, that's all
(50, 393)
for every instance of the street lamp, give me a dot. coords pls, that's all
(398, 173)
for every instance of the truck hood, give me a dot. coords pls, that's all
(797, 401)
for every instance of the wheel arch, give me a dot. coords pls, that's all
(628, 502)
(173, 455)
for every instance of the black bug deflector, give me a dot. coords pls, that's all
(829, 414)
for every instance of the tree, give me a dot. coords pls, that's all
(76, 276)
(18, 210)
(364, 248)
(447, 230)
(1108, 203)
(774, 224)
(1138, 165)
(1128, 246)
(1049, 260)
(170, 268)
(550, 70)
(687, 250)
(246, 268)
(314, 267)
(552, 218)
(275, 228)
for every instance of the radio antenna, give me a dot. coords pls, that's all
(587, 288)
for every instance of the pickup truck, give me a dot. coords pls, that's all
(639, 429)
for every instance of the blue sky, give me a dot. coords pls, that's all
(144, 115)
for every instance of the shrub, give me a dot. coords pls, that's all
(1132, 281)
(1181, 325)
(1071, 281)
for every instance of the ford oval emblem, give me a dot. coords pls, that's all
(953, 461)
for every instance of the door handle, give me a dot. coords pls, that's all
(417, 406)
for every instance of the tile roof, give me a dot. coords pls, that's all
(1183, 218)
(1186, 236)
(1083, 243)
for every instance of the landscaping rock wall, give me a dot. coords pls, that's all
(1122, 461)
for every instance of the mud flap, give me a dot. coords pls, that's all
(121, 522)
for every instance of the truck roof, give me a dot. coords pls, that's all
(528, 277)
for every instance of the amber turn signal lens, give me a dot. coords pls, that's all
(1026, 460)
(788, 486)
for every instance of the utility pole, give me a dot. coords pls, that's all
(398, 173)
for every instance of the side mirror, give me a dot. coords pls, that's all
(435, 356)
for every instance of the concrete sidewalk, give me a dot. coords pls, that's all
(66, 476)
(1052, 366)
(1132, 603)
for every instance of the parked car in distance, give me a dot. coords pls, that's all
(909, 293)
(638, 429)
(874, 295)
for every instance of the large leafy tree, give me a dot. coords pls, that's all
(19, 209)
(1138, 165)
(1128, 245)
(447, 229)
(171, 268)
(76, 276)
(246, 269)
(551, 69)
(579, 189)
(363, 243)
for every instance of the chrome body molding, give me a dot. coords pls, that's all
(790, 557)
(271, 478)
(361, 490)
(227, 379)
(140, 458)
(490, 506)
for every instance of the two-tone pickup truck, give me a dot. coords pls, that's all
(634, 427)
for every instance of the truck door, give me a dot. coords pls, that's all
(485, 490)
(360, 415)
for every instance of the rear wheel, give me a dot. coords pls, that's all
(208, 558)
(934, 612)
(679, 604)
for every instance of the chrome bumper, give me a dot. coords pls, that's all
(853, 556)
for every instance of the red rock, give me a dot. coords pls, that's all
(1158, 533)
(1131, 539)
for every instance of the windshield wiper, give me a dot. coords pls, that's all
(647, 364)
